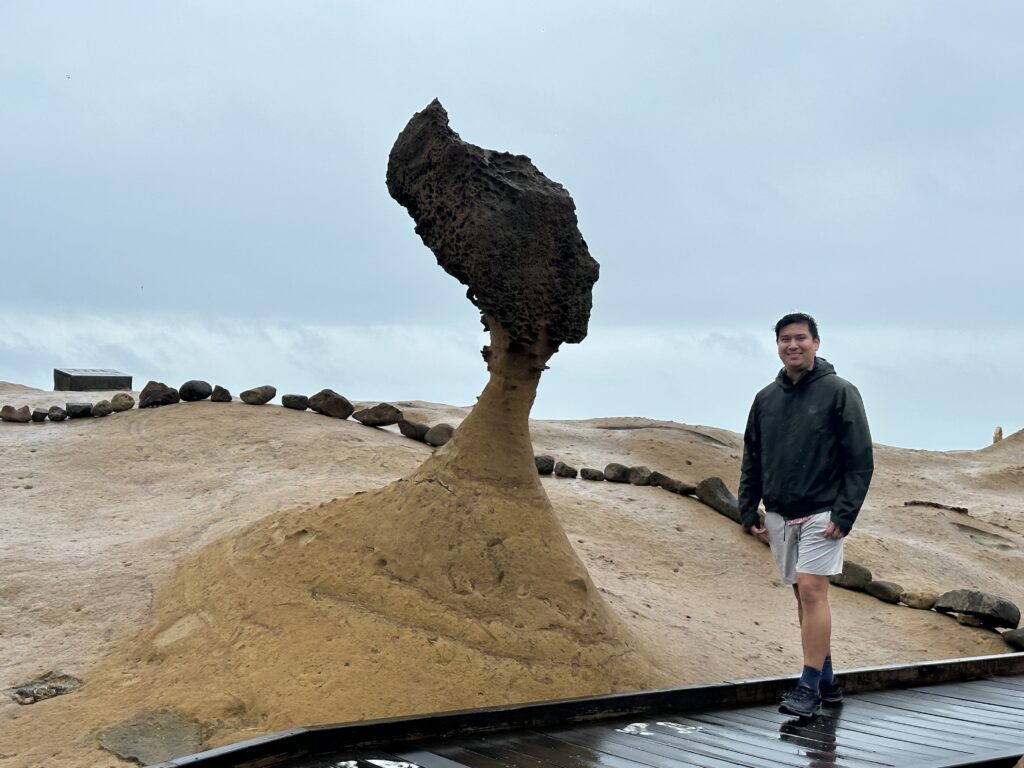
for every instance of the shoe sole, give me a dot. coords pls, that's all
(786, 710)
(832, 702)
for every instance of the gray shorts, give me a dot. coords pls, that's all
(801, 548)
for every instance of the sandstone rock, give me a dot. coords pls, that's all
(545, 464)
(78, 410)
(639, 475)
(20, 415)
(258, 395)
(56, 413)
(152, 737)
(295, 402)
(499, 226)
(670, 484)
(564, 470)
(968, 620)
(44, 687)
(413, 429)
(381, 415)
(886, 591)
(330, 403)
(122, 401)
(156, 393)
(220, 395)
(687, 489)
(102, 408)
(1015, 639)
(39, 414)
(657, 479)
(616, 473)
(922, 600)
(854, 576)
(439, 434)
(716, 495)
(993, 611)
(195, 390)
(588, 473)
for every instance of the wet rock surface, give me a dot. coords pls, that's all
(152, 737)
(44, 687)
(499, 226)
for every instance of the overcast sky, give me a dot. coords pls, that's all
(196, 190)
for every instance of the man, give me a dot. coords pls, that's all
(807, 454)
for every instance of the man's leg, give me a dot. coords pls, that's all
(815, 618)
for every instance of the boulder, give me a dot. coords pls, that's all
(670, 484)
(79, 410)
(545, 464)
(564, 470)
(686, 489)
(156, 393)
(969, 621)
(102, 408)
(639, 475)
(589, 473)
(616, 473)
(258, 395)
(381, 415)
(886, 591)
(716, 495)
(413, 429)
(1015, 639)
(854, 576)
(439, 434)
(122, 401)
(220, 395)
(39, 414)
(195, 390)
(17, 415)
(295, 402)
(56, 413)
(657, 479)
(330, 403)
(993, 611)
(922, 600)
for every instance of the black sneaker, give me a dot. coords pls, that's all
(802, 702)
(831, 693)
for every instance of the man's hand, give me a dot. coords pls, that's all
(833, 531)
(760, 533)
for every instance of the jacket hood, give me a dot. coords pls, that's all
(822, 368)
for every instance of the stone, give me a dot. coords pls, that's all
(686, 489)
(102, 408)
(88, 379)
(564, 470)
(258, 395)
(39, 414)
(670, 484)
(1015, 639)
(78, 410)
(156, 394)
(997, 436)
(854, 576)
(439, 434)
(922, 600)
(993, 611)
(330, 403)
(20, 415)
(639, 475)
(545, 464)
(381, 415)
(968, 620)
(152, 737)
(589, 473)
(713, 492)
(886, 591)
(616, 473)
(499, 226)
(413, 429)
(195, 390)
(44, 687)
(295, 402)
(122, 401)
(657, 479)
(220, 395)
(56, 413)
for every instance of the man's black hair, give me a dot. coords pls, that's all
(797, 317)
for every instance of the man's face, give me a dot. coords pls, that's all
(797, 347)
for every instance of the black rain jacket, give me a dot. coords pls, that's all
(806, 449)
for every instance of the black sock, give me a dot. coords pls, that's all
(828, 679)
(811, 677)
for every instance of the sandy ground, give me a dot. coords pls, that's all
(98, 514)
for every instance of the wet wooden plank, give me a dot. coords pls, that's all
(599, 742)
(954, 716)
(924, 729)
(426, 758)
(972, 693)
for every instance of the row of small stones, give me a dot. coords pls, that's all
(713, 492)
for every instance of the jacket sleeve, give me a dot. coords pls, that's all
(856, 457)
(750, 474)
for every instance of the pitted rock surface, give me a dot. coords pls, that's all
(220, 395)
(545, 464)
(122, 401)
(330, 403)
(994, 611)
(499, 226)
(156, 393)
(564, 470)
(616, 473)
(589, 473)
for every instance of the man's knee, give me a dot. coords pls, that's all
(811, 589)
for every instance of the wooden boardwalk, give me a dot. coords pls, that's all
(960, 722)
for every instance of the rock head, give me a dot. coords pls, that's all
(499, 226)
